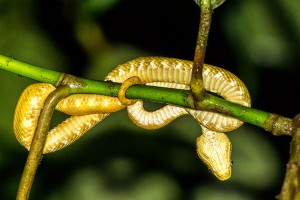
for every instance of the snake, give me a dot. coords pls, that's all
(86, 110)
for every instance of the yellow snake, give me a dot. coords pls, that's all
(86, 110)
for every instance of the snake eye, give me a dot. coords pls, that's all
(231, 163)
(210, 171)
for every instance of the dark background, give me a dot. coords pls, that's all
(258, 40)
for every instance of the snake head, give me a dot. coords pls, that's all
(214, 149)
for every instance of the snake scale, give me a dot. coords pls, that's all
(86, 110)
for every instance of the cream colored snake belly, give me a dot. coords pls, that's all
(86, 110)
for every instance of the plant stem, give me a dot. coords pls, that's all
(29, 71)
(276, 124)
(38, 142)
(290, 189)
(197, 85)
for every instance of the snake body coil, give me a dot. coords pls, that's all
(213, 146)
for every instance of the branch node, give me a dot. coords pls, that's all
(278, 125)
(71, 81)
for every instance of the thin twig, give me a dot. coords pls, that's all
(197, 85)
(37, 145)
(291, 185)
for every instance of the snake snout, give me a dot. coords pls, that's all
(214, 149)
(223, 173)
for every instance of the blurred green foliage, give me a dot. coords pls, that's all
(258, 40)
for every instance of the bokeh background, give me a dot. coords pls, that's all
(258, 40)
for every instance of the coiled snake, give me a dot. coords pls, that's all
(86, 110)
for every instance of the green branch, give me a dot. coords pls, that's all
(276, 124)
